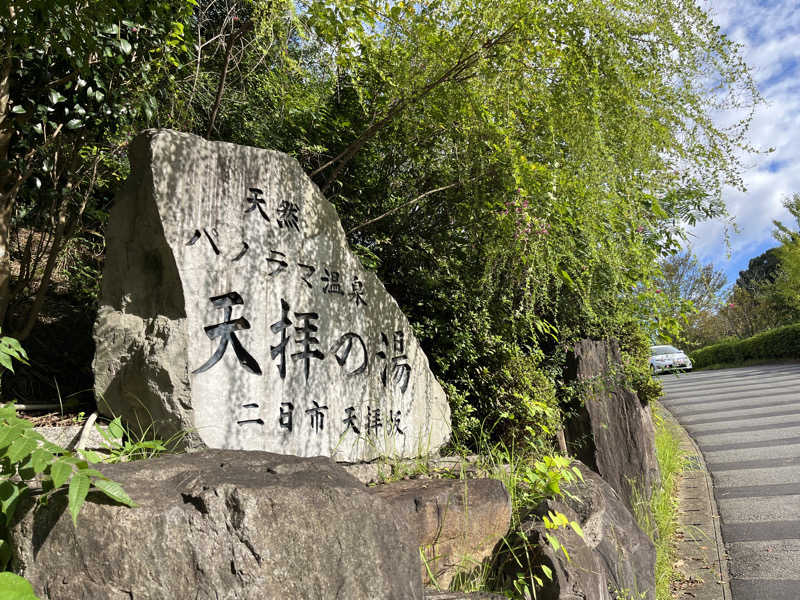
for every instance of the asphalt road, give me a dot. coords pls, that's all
(747, 424)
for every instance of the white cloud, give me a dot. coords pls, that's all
(770, 39)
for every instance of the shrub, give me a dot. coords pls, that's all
(780, 343)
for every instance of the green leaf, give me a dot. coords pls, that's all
(10, 494)
(53, 448)
(78, 488)
(8, 410)
(116, 429)
(576, 528)
(92, 456)
(21, 448)
(55, 97)
(547, 571)
(9, 433)
(11, 346)
(60, 472)
(18, 109)
(114, 491)
(91, 473)
(125, 46)
(5, 361)
(74, 124)
(14, 587)
(26, 471)
(40, 459)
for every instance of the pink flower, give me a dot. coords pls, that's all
(640, 229)
(658, 291)
(731, 305)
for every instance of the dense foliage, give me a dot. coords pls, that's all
(512, 169)
(780, 343)
(76, 80)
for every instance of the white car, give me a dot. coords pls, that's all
(668, 358)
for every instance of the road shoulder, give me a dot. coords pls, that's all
(701, 552)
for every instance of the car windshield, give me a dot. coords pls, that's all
(656, 350)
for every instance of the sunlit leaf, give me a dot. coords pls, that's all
(78, 489)
(60, 472)
(14, 587)
(114, 491)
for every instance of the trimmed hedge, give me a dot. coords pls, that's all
(783, 342)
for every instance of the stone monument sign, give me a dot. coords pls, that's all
(233, 309)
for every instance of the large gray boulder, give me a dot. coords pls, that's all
(457, 522)
(609, 429)
(222, 525)
(626, 553)
(233, 309)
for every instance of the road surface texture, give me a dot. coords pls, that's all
(747, 424)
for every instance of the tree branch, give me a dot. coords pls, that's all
(404, 205)
(455, 72)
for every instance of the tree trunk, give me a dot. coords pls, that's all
(7, 188)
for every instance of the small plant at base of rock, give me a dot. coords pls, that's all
(527, 580)
(553, 521)
(119, 446)
(29, 464)
(529, 480)
(544, 477)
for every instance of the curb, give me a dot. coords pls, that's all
(700, 545)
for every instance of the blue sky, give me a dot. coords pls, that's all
(769, 33)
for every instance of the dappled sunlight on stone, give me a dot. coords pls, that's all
(233, 307)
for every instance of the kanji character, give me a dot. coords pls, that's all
(226, 332)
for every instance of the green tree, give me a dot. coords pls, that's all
(762, 269)
(513, 170)
(694, 291)
(75, 77)
(787, 283)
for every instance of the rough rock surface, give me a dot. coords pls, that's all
(233, 308)
(614, 560)
(453, 467)
(611, 431)
(627, 555)
(68, 436)
(457, 523)
(222, 525)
